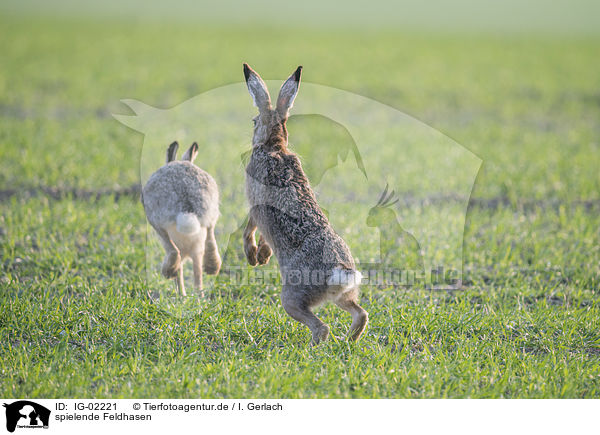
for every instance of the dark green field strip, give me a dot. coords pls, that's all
(55, 193)
(408, 200)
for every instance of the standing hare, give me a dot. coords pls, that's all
(315, 263)
(182, 204)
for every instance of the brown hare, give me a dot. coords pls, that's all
(181, 202)
(315, 264)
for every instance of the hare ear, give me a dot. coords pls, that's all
(191, 153)
(172, 151)
(288, 93)
(257, 88)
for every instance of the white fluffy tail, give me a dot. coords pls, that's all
(188, 223)
(347, 279)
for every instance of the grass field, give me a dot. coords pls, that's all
(76, 319)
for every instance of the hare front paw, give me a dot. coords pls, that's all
(251, 251)
(264, 254)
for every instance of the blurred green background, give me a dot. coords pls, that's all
(516, 84)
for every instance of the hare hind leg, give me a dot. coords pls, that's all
(172, 262)
(179, 282)
(349, 302)
(197, 268)
(299, 311)
(198, 254)
(212, 259)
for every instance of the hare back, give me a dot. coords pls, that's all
(286, 212)
(277, 186)
(180, 187)
(300, 242)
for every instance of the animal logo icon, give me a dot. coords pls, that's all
(25, 413)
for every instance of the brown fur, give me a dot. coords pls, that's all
(284, 209)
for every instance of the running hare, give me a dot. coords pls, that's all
(315, 263)
(182, 204)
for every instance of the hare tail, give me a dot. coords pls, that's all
(188, 223)
(347, 279)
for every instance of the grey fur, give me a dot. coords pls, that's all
(181, 202)
(283, 207)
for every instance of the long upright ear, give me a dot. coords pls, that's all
(191, 153)
(288, 92)
(172, 151)
(257, 88)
